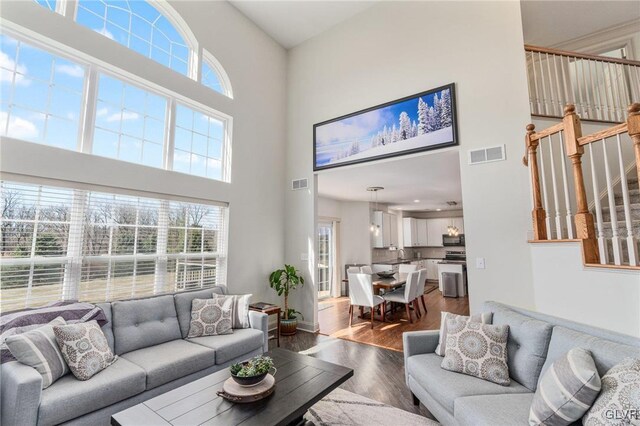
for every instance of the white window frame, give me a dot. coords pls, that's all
(213, 63)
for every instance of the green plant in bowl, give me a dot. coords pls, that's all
(252, 372)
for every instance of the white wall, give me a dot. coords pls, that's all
(397, 49)
(256, 66)
(596, 296)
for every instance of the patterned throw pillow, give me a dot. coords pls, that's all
(478, 350)
(38, 349)
(619, 400)
(239, 309)
(210, 317)
(85, 348)
(484, 318)
(566, 391)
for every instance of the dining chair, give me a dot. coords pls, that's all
(366, 270)
(421, 284)
(353, 270)
(406, 296)
(361, 294)
(403, 268)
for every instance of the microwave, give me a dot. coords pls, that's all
(453, 241)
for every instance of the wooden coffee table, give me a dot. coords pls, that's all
(301, 381)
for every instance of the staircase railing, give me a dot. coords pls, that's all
(613, 167)
(600, 87)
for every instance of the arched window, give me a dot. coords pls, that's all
(153, 31)
(213, 75)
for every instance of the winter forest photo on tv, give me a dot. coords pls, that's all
(416, 123)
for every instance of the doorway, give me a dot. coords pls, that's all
(326, 259)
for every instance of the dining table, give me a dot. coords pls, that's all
(388, 284)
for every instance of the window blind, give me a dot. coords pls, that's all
(71, 244)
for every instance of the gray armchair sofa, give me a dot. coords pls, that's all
(535, 342)
(148, 335)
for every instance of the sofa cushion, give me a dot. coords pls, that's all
(483, 317)
(230, 346)
(169, 361)
(527, 345)
(445, 386)
(491, 410)
(605, 353)
(142, 323)
(107, 328)
(183, 305)
(69, 397)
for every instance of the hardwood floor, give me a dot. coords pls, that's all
(378, 373)
(334, 321)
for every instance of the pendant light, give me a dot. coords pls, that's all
(374, 228)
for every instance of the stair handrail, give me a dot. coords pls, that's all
(551, 51)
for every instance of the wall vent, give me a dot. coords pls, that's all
(299, 184)
(487, 155)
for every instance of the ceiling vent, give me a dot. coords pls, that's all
(487, 155)
(299, 184)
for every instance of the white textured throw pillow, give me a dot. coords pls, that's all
(484, 318)
(619, 400)
(479, 350)
(566, 391)
(239, 309)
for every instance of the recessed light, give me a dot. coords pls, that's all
(416, 201)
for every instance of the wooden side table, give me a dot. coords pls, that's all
(269, 310)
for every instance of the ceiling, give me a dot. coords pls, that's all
(548, 23)
(292, 22)
(433, 179)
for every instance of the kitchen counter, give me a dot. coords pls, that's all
(402, 261)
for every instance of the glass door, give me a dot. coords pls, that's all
(325, 259)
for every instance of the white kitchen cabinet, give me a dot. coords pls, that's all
(435, 229)
(422, 232)
(387, 232)
(419, 264)
(432, 269)
(410, 232)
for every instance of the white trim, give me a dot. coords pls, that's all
(88, 111)
(617, 36)
(216, 66)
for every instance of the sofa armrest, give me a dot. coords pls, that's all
(260, 321)
(20, 391)
(418, 342)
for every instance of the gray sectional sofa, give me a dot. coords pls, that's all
(535, 342)
(148, 335)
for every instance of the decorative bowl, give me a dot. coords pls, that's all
(252, 380)
(385, 274)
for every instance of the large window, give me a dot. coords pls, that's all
(139, 26)
(41, 95)
(60, 243)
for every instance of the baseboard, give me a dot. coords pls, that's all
(308, 327)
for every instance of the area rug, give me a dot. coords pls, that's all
(342, 407)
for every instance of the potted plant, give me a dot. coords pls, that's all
(252, 372)
(283, 281)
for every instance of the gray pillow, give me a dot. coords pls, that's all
(84, 348)
(38, 349)
(479, 350)
(210, 317)
(619, 400)
(484, 318)
(566, 390)
(239, 309)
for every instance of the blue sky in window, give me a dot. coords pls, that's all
(49, 4)
(139, 26)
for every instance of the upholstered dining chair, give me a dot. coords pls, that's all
(422, 278)
(353, 270)
(404, 268)
(366, 270)
(361, 294)
(407, 295)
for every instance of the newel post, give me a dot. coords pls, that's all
(538, 214)
(585, 228)
(633, 124)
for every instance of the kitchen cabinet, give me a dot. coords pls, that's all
(387, 232)
(420, 264)
(422, 232)
(435, 229)
(410, 232)
(432, 269)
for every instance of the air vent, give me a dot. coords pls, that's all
(299, 184)
(487, 155)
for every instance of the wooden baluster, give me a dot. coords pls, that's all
(567, 201)
(602, 242)
(631, 240)
(545, 194)
(615, 239)
(585, 229)
(556, 203)
(633, 125)
(538, 214)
